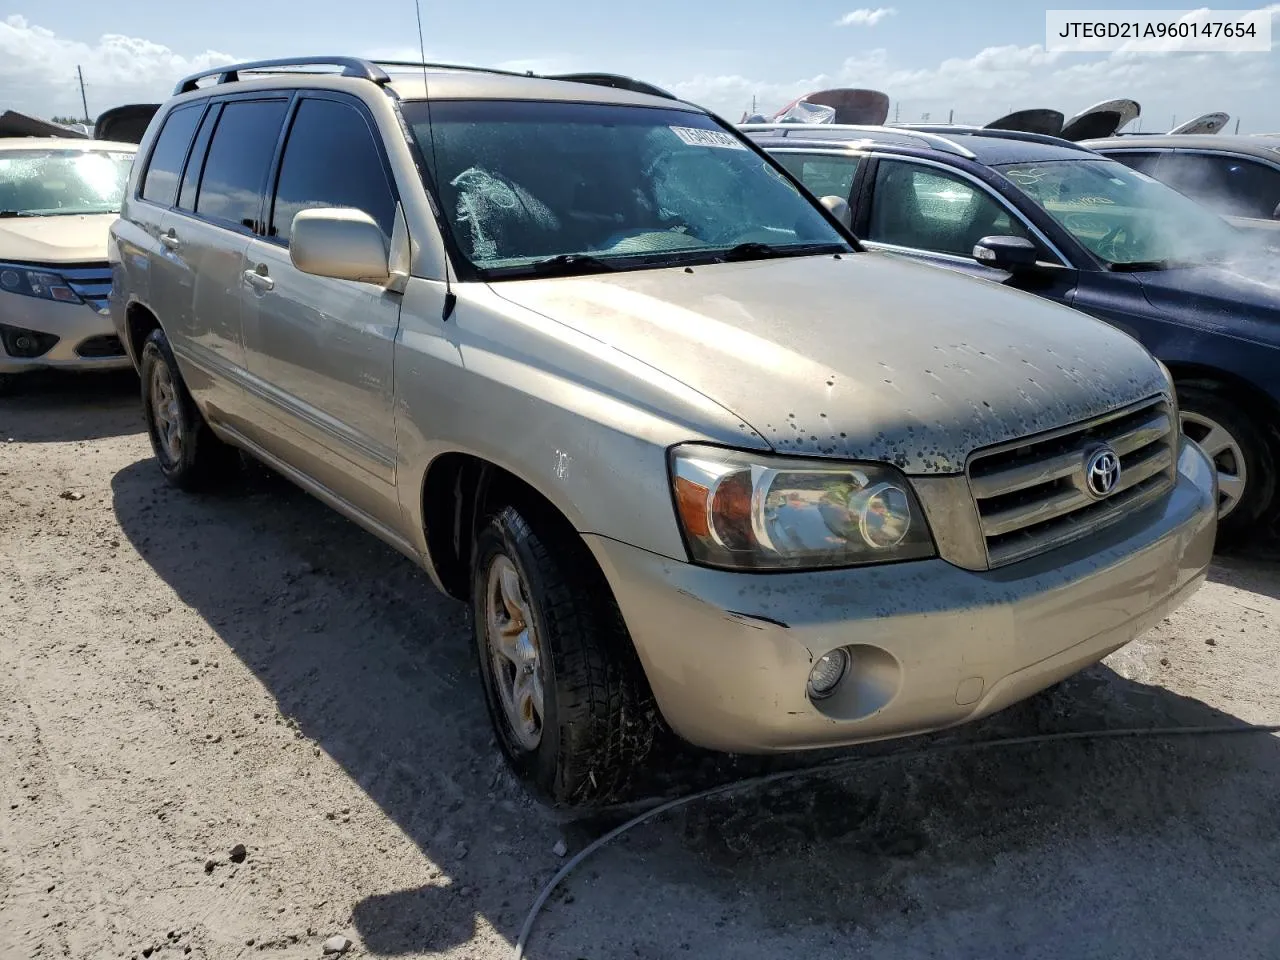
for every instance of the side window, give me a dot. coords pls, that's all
(330, 160)
(239, 155)
(823, 175)
(1142, 162)
(195, 163)
(924, 208)
(160, 185)
(1230, 185)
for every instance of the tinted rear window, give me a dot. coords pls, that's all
(161, 183)
(239, 155)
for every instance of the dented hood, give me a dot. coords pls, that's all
(865, 357)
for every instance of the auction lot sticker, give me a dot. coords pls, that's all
(1159, 31)
(698, 137)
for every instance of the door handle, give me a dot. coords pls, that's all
(258, 279)
(170, 240)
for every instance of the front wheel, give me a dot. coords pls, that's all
(190, 456)
(1241, 456)
(566, 694)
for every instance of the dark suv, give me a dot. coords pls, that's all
(1061, 221)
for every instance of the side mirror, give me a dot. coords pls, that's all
(1006, 253)
(341, 243)
(840, 209)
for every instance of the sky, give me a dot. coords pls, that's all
(978, 58)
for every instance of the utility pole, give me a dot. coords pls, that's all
(951, 116)
(897, 108)
(83, 102)
(1237, 124)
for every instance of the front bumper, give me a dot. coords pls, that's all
(80, 330)
(728, 654)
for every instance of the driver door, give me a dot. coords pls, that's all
(928, 212)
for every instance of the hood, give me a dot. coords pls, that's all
(868, 357)
(1244, 295)
(66, 239)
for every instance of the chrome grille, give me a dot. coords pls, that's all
(92, 283)
(1032, 495)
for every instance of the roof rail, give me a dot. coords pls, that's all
(993, 133)
(230, 73)
(617, 81)
(818, 130)
(614, 80)
(372, 70)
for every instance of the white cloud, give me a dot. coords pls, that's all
(37, 75)
(865, 17)
(983, 86)
(38, 69)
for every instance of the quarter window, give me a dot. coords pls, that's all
(239, 155)
(330, 160)
(161, 182)
(926, 209)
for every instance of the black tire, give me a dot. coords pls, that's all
(599, 717)
(1255, 507)
(8, 384)
(198, 460)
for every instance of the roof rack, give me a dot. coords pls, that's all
(992, 133)
(373, 71)
(617, 81)
(819, 130)
(230, 73)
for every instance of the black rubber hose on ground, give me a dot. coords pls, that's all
(736, 786)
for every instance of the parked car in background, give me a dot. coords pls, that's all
(614, 379)
(1058, 220)
(58, 198)
(1237, 176)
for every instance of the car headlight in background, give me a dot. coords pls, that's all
(751, 511)
(35, 282)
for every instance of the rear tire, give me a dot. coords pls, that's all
(568, 699)
(1243, 458)
(190, 456)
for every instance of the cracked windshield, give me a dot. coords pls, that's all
(606, 187)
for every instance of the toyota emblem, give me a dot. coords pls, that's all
(1102, 472)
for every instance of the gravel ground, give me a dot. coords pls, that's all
(237, 725)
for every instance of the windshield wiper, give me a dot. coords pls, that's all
(1137, 266)
(754, 250)
(570, 263)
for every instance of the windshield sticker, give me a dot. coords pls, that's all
(697, 137)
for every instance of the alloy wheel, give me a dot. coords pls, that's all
(1227, 455)
(515, 655)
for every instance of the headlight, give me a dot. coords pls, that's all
(750, 511)
(33, 282)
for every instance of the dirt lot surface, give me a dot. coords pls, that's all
(181, 675)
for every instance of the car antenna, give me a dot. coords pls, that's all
(450, 298)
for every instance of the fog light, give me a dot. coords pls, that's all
(827, 673)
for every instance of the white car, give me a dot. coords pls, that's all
(58, 198)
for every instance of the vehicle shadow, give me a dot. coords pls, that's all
(59, 407)
(1252, 566)
(377, 670)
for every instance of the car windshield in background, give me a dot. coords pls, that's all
(534, 187)
(1125, 217)
(46, 183)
